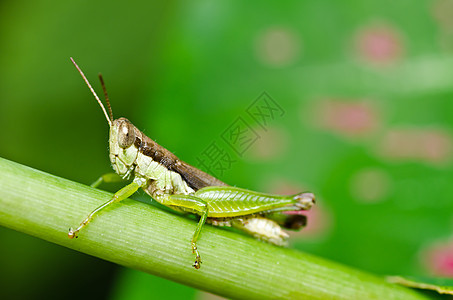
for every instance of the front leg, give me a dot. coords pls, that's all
(193, 204)
(122, 194)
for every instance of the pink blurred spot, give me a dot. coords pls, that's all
(429, 145)
(370, 185)
(442, 13)
(278, 46)
(318, 222)
(347, 118)
(379, 44)
(438, 259)
(272, 143)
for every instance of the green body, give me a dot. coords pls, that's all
(182, 187)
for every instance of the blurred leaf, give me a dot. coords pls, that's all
(440, 285)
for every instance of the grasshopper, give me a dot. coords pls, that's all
(184, 188)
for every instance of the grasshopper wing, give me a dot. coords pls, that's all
(196, 178)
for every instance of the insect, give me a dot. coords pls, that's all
(184, 188)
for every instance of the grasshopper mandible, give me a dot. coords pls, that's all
(185, 188)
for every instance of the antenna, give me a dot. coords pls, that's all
(106, 96)
(109, 120)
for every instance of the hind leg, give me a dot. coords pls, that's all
(196, 204)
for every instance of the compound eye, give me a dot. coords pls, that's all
(126, 135)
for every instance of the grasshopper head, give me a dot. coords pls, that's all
(123, 151)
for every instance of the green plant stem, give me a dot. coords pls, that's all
(140, 236)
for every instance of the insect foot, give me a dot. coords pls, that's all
(197, 263)
(305, 200)
(72, 233)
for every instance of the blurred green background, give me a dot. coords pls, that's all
(366, 89)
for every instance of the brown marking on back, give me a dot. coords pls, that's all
(138, 143)
(194, 177)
